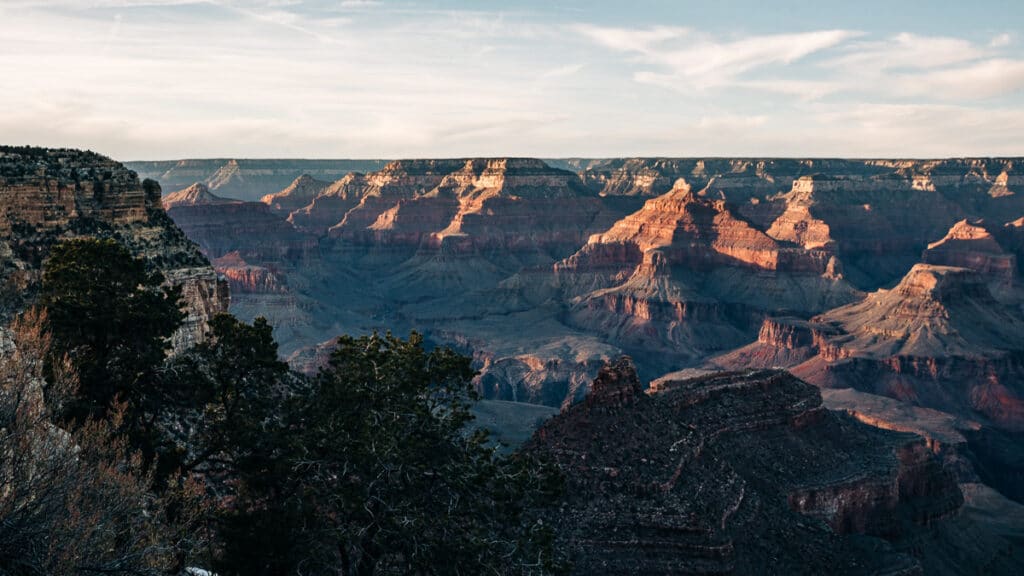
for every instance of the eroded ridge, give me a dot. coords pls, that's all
(742, 473)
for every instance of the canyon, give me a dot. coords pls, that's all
(674, 261)
(879, 281)
(737, 366)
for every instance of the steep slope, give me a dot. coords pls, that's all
(500, 253)
(685, 275)
(746, 473)
(197, 194)
(330, 206)
(938, 339)
(50, 194)
(970, 245)
(299, 193)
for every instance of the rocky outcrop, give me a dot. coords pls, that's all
(747, 473)
(49, 190)
(47, 195)
(299, 193)
(197, 194)
(515, 255)
(245, 278)
(205, 295)
(685, 275)
(938, 339)
(970, 245)
(331, 205)
(782, 342)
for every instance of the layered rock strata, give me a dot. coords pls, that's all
(507, 252)
(685, 274)
(47, 195)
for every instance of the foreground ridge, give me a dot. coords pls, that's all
(747, 473)
(47, 195)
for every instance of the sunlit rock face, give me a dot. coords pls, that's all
(221, 226)
(747, 473)
(299, 193)
(938, 339)
(543, 270)
(477, 205)
(969, 245)
(685, 273)
(47, 195)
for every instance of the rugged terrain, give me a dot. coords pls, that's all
(51, 194)
(747, 473)
(673, 260)
(891, 287)
(879, 280)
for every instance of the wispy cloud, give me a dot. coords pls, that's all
(175, 78)
(904, 65)
(683, 58)
(929, 68)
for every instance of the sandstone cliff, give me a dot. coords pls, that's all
(510, 256)
(299, 193)
(48, 194)
(686, 275)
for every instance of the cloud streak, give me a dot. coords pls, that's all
(178, 78)
(685, 58)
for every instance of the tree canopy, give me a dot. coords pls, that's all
(375, 471)
(112, 317)
(371, 467)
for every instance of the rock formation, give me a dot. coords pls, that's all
(47, 195)
(299, 193)
(514, 205)
(970, 245)
(543, 273)
(747, 473)
(197, 194)
(220, 226)
(686, 275)
(938, 339)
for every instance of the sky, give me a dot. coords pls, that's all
(168, 79)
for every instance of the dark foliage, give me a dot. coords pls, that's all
(370, 468)
(113, 318)
(373, 472)
(76, 502)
